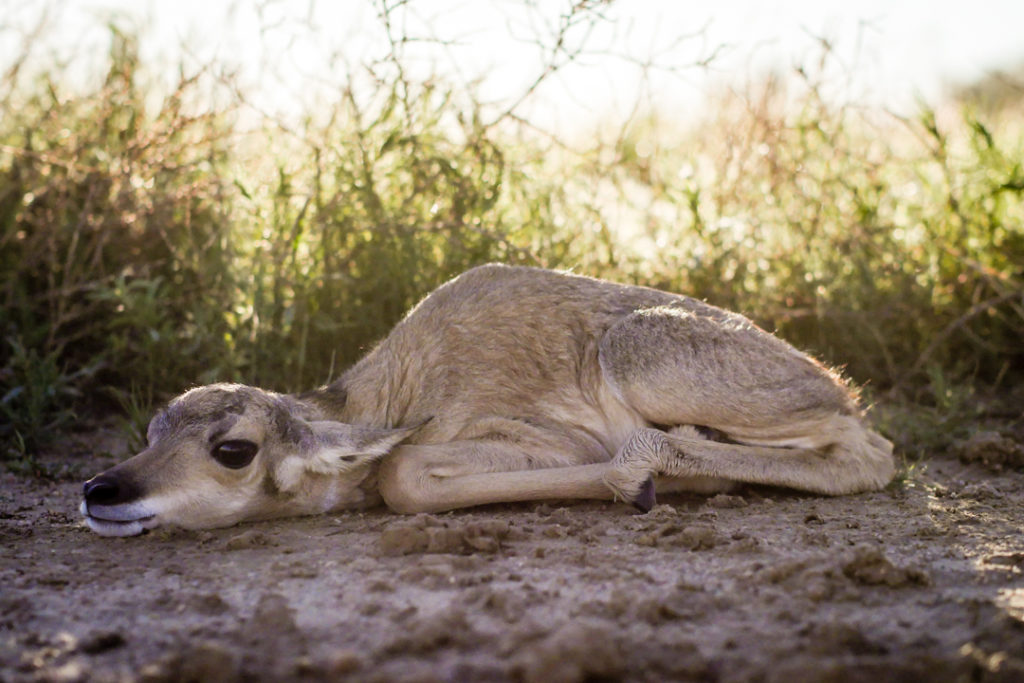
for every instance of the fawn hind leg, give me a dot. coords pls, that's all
(785, 419)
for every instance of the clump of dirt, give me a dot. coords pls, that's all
(430, 633)
(724, 500)
(273, 614)
(992, 450)
(431, 534)
(248, 539)
(203, 661)
(869, 566)
(690, 536)
(575, 651)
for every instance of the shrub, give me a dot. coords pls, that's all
(145, 248)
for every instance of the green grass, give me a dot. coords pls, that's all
(150, 244)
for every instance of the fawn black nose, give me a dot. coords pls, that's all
(107, 490)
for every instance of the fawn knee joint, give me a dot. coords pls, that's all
(401, 485)
(644, 445)
(632, 477)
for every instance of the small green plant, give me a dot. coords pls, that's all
(37, 393)
(908, 473)
(136, 406)
(941, 413)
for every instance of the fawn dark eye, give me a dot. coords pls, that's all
(235, 454)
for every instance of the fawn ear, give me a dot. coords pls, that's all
(337, 448)
(341, 447)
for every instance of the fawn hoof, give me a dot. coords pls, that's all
(644, 500)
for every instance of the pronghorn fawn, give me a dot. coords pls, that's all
(507, 384)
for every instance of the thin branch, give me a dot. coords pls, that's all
(971, 313)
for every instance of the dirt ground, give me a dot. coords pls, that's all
(921, 582)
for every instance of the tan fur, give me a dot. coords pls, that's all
(510, 384)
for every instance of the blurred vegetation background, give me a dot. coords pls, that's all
(152, 241)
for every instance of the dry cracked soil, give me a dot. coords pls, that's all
(920, 582)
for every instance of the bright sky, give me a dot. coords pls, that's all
(887, 51)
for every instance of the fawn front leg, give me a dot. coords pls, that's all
(435, 478)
